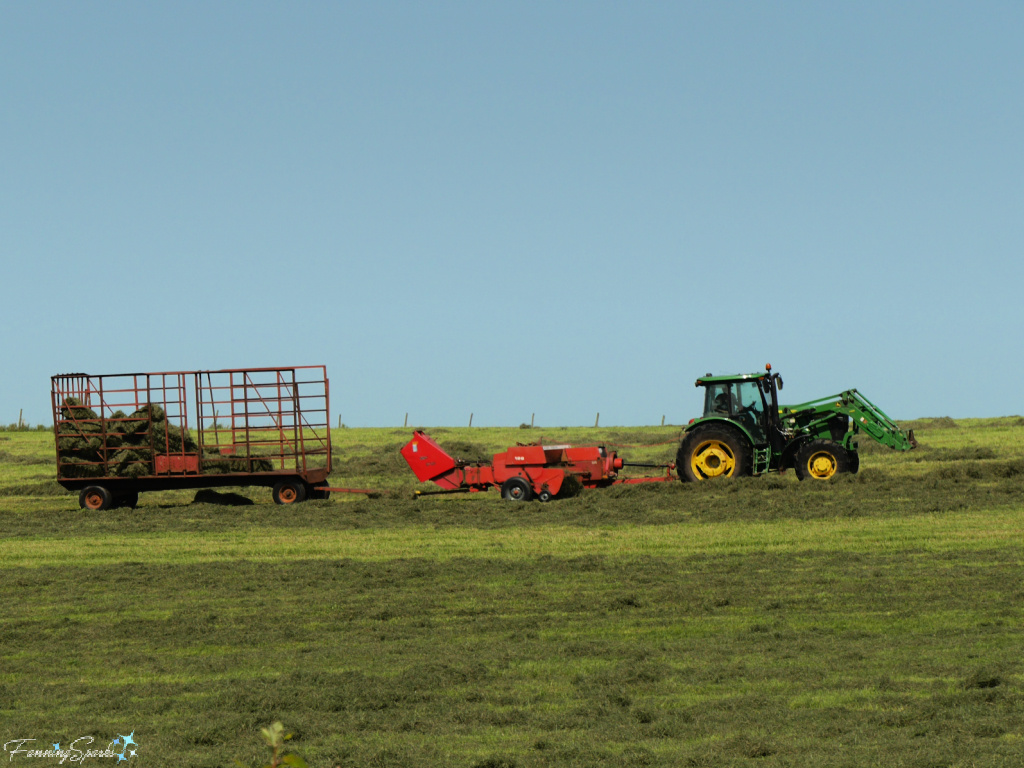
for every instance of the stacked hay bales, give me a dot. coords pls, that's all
(121, 445)
(217, 464)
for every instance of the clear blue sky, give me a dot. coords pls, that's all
(509, 208)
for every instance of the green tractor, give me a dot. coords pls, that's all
(744, 431)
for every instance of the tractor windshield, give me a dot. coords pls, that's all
(737, 400)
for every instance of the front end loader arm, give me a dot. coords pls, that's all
(866, 416)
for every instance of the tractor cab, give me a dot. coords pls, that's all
(748, 399)
(741, 401)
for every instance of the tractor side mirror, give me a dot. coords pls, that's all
(778, 381)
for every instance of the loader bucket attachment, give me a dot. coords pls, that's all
(426, 458)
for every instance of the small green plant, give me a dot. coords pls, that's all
(275, 737)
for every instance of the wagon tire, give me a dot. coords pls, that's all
(516, 489)
(317, 493)
(711, 451)
(289, 492)
(821, 460)
(95, 497)
(130, 500)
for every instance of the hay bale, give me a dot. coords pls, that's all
(73, 410)
(79, 427)
(72, 466)
(150, 412)
(223, 465)
(169, 437)
(129, 462)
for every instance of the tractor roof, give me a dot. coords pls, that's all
(709, 379)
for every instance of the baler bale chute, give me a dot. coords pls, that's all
(523, 472)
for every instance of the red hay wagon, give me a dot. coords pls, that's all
(121, 434)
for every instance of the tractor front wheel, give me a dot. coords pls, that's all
(711, 451)
(516, 489)
(289, 492)
(820, 460)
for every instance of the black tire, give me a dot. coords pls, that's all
(289, 492)
(317, 493)
(821, 460)
(854, 461)
(127, 500)
(95, 498)
(545, 495)
(516, 489)
(711, 451)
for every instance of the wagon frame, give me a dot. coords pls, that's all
(117, 435)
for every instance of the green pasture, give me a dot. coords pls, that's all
(871, 620)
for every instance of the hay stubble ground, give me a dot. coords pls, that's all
(873, 620)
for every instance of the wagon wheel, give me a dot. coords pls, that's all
(289, 492)
(317, 493)
(95, 497)
(127, 499)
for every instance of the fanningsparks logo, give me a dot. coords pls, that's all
(120, 748)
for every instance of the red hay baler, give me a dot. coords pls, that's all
(522, 472)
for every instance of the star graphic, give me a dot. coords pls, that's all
(129, 739)
(56, 747)
(117, 742)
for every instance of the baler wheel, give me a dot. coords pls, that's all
(516, 489)
(545, 495)
(711, 451)
(95, 497)
(289, 492)
(821, 460)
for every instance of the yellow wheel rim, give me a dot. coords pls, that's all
(821, 465)
(712, 458)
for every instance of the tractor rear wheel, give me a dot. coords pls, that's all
(516, 489)
(711, 451)
(821, 460)
(289, 492)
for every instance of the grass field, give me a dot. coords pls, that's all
(872, 620)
